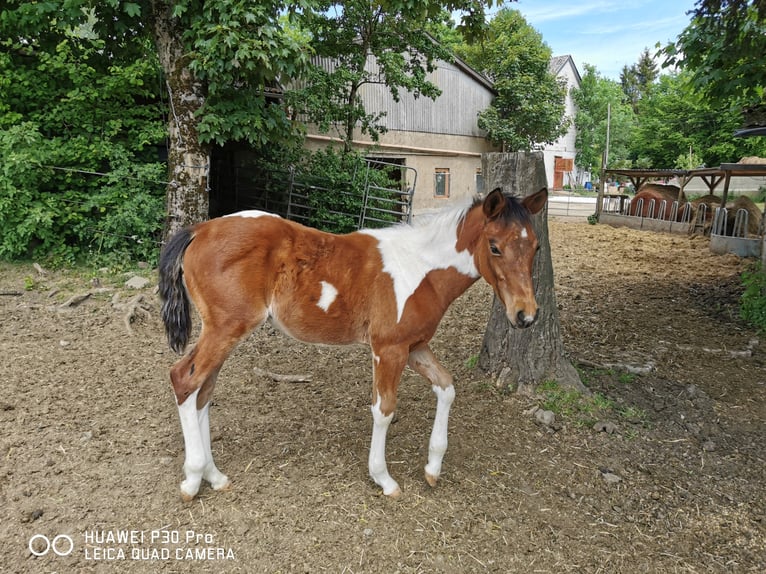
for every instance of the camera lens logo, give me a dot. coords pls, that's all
(61, 545)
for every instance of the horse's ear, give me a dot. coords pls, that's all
(494, 204)
(535, 202)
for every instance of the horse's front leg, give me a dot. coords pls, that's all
(388, 365)
(423, 361)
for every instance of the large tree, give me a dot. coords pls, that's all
(529, 108)
(722, 48)
(676, 121)
(218, 61)
(637, 80)
(525, 358)
(359, 44)
(601, 106)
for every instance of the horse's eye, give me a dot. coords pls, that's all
(494, 249)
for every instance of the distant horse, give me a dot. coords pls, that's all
(655, 201)
(388, 288)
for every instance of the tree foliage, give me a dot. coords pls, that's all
(722, 49)
(72, 106)
(637, 80)
(361, 44)
(675, 119)
(529, 108)
(599, 99)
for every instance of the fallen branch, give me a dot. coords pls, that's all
(282, 378)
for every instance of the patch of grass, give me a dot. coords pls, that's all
(585, 410)
(633, 414)
(586, 374)
(582, 410)
(472, 361)
(626, 378)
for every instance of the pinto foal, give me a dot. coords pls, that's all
(388, 288)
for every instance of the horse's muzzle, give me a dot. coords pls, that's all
(522, 320)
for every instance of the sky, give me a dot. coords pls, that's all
(607, 34)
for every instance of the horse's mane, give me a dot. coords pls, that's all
(514, 211)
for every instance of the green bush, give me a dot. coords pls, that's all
(753, 301)
(66, 215)
(67, 115)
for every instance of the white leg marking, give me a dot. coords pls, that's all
(329, 293)
(215, 477)
(438, 444)
(377, 461)
(194, 445)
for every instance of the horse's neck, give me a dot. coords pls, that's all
(469, 231)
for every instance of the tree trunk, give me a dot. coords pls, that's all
(534, 355)
(187, 196)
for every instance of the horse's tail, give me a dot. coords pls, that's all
(175, 311)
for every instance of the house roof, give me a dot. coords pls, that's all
(557, 64)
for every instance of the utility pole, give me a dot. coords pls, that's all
(604, 161)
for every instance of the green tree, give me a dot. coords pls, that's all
(597, 100)
(638, 79)
(71, 107)
(360, 43)
(218, 60)
(674, 118)
(722, 49)
(529, 108)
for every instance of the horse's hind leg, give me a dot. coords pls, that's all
(194, 377)
(422, 360)
(195, 424)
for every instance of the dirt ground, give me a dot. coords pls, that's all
(92, 450)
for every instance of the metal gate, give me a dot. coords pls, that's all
(340, 206)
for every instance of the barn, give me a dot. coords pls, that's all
(434, 146)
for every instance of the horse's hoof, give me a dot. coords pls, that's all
(189, 491)
(431, 479)
(394, 494)
(223, 488)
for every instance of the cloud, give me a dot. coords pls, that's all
(536, 12)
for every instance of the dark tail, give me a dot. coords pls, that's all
(175, 301)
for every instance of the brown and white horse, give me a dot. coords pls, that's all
(388, 288)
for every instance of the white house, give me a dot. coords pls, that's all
(560, 155)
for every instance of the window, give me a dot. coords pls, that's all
(479, 182)
(441, 182)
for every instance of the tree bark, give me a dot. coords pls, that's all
(187, 196)
(534, 355)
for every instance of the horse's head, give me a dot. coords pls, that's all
(506, 251)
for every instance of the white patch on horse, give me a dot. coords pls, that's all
(409, 253)
(377, 459)
(437, 446)
(329, 294)
(524, 234)
(251, 213)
